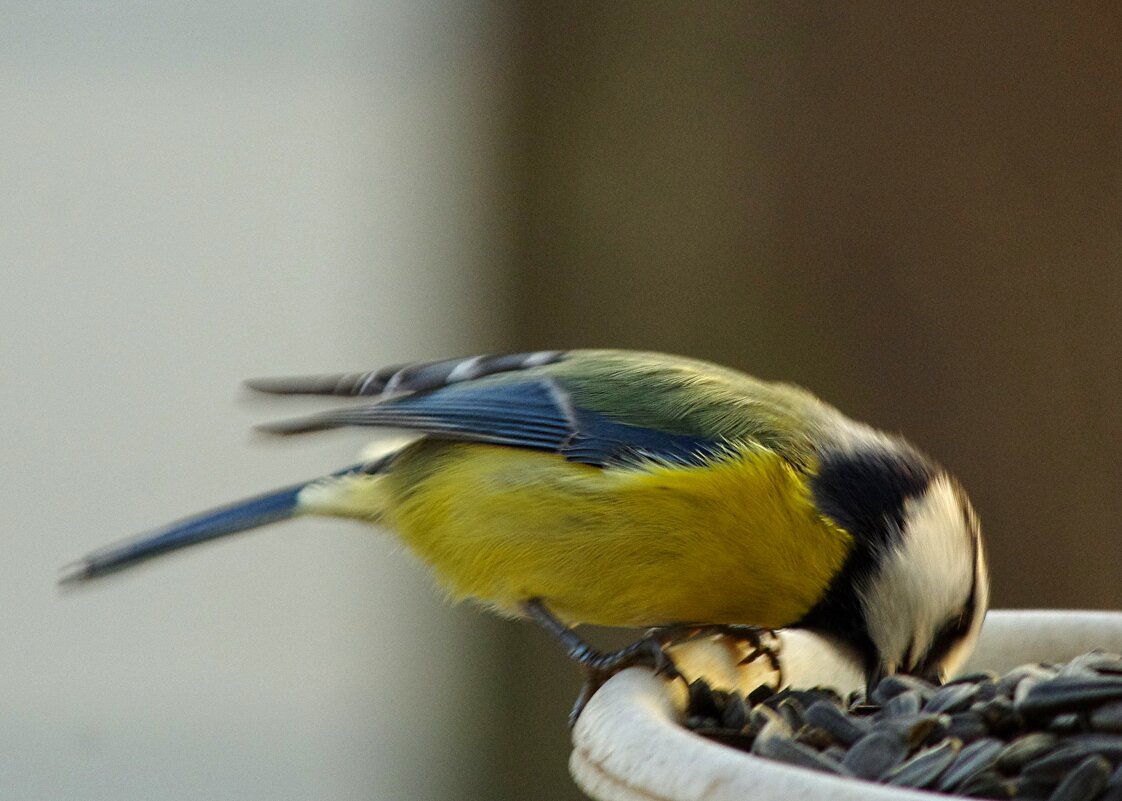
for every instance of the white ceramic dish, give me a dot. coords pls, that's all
(629, 745)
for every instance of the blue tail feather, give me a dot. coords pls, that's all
(240, 516)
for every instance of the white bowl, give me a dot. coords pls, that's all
(628, 744)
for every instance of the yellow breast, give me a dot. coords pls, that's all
(737, 541)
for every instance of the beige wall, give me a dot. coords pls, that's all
(191, 196)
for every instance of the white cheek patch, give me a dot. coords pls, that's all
(962, 650)
(926, 577)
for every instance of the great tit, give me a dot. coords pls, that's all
(635, 489)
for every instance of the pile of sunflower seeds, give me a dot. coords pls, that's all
(1042, 731)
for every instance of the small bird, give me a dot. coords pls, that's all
(635, 489)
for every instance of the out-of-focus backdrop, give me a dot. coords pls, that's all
(915, 212)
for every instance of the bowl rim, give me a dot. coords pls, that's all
(629, 745)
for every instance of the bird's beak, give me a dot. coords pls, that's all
(936, 676)
(873, 677)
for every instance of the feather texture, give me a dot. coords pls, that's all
(736, 541)
(594, 407)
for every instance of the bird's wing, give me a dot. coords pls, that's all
(594, 407)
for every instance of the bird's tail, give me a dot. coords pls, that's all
(345, 494)
(240, 516)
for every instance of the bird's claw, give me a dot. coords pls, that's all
(764, 643)
(650, 651)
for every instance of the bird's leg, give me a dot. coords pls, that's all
(600, 665)
(647, 650)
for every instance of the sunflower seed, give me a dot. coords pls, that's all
(795, 753)
(758, 718)
(1093, 662)
(1038, 732)
(952, 698)
(774, 742)
(999, 715)
(1108, 664)
(702, 722)
(891, 686)
(925, 768)
(843, 728)
(720, 700)
(863, 710)
(773, 723)
(1113, 786)
(1024, 687)
(1080, 666)
(804, 697)
(793, 712)
(1030, 789)
(908, 702)
(1066, 693)
(875, 754)
(1008, 683)
(916, 729)
(701, 699)
(1107, 745)
(979, 677)
(987, 691)
(988, 784)
(1052, 767)
(1067, 723)
(968, 727)
(816, 738)
(1025, 749)
(1107, 717)
(1085, 782)
(760, 695)
(735, 713)
(971, 760)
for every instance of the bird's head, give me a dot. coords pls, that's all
(914, 590)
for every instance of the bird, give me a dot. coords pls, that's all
(633, 489)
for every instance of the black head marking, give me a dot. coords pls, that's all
(864, 491)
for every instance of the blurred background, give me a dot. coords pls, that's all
(914, 212)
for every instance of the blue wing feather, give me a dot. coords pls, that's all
(534, 414)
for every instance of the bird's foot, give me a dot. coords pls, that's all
(764, 643)
(649, 651)
(600, 666)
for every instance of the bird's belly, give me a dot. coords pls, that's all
(737, 541)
